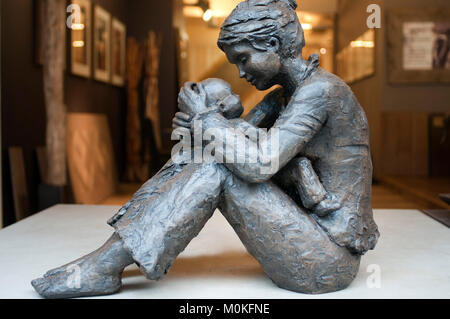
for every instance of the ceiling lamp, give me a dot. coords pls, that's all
(207, 15)
(204, 5)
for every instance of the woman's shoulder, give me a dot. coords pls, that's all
(322, 85)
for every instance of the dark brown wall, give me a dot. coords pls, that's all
(415, 98)
(351, 23)
(23, 116)
(158, 15)
(23, 110)
(383, 102)
(91, 96)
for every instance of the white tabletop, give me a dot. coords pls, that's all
(411, 260)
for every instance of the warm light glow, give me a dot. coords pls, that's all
(78, 44)
(308, 18)
(77, 26)
(307, 26)
(323, 51)
(193, 12)
(362, 44)
(207, 15)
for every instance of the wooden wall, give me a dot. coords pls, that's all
(23, 110)
(398, 114)
(405, 143)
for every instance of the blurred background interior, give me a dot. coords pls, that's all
(86, 108)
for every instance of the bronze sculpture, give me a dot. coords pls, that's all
(307, 223)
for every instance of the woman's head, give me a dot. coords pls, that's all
(259, 35)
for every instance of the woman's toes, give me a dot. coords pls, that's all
(41, 285)
(62, 285)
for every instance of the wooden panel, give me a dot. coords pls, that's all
(395, 147)
(90, 155)
(419, 144)
(404, 144)
(19, 183)
(439, 145)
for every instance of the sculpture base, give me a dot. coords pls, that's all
(216, 265)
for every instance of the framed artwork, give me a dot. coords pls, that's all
(419, 46)
(102, 44)
(81, 42)
(118, 52)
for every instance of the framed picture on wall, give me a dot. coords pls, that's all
(118, 52)
(81, 42)
(418, 46)
(102, 44)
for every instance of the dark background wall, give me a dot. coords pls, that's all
(351, 23)
(91, 96)
(398, 114)
(429, 97)
(23, 109)
(352, 18)
(154, 15)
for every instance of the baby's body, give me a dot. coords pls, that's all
(298, 178)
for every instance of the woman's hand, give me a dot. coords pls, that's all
(192, 99)
(181, 120)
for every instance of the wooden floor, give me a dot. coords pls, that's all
(125, 192)
(422, 190)
(382, 198)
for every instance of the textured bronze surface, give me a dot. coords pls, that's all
(307, 222)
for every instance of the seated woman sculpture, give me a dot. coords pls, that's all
(314, 115)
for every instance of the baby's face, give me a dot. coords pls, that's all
(219, 93)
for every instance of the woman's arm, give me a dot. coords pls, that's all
(297, 125)
(264, 114)
(267, 111)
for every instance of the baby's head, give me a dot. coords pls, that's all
(219, 93)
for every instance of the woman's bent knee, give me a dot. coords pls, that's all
(321, 277)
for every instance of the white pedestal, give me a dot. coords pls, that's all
(412, 257)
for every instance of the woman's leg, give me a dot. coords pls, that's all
(165, 216)
(154, 227)
(98, 273)
(156, 230)
(290, 246)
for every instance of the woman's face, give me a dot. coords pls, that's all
(258, 67)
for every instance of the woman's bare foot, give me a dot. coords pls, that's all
(98, 273)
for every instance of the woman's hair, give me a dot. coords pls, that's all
(259, 20)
